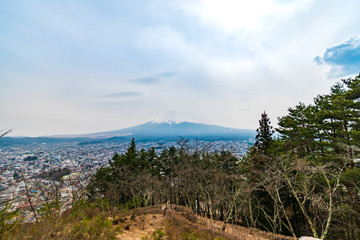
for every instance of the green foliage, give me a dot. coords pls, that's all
(93, 228)
(189, 236)
(158, 234)
(328, 128)
(351, 177)
(139, 178)
(263, 139)
(51, 209)
(85, 221)
(135, 202)
(9, 220)
(326, 134)
(306, 180)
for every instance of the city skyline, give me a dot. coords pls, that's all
(81, 67)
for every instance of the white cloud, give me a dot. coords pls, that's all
(343, 58)
(233, 15)
(203, 59)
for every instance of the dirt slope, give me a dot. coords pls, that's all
(178, 222)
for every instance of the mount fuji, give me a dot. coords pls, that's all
(150, 131)
(174, 130)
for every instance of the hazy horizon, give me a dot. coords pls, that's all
(112, 130)
(88, 66)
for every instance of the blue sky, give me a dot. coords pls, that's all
(87, 66)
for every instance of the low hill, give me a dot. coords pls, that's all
(16, 141)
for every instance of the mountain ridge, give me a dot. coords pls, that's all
(149, 131)
(169, 129)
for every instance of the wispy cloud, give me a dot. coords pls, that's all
(154, 78)
(122, 95)
(343, 58)
(114, 62)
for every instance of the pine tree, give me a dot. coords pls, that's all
(263, 138)
(129, 159)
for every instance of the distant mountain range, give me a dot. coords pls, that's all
(150, 131)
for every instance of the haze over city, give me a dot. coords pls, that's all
(72, 67)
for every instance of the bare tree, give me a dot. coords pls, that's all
(4, 132)
(303, 180)
(271, 180)
(29, 198)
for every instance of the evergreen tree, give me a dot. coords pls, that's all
(263, 138)
(300, 129)
(129, 159)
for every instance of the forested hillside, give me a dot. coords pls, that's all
(303, 182)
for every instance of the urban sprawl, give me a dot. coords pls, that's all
(36, 174)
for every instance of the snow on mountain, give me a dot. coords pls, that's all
(172, 129)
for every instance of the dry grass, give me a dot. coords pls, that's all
(178, 222)
(161, 222)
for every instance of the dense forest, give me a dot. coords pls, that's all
(304, 180)
(300, 179)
